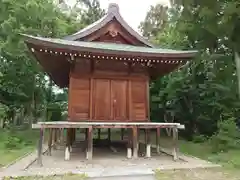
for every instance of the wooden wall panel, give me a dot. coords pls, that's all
(101, 99)
(79, 99)
(139, 110)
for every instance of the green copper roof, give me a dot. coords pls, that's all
(81, 45)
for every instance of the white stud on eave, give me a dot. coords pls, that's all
(32, 49)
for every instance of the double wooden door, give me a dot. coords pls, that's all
(110, 100)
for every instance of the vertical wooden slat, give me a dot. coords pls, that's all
(148, 101)
(91, 100)
(135, 142)
(175, 143)
(50, 142)
(130, 99)
(89, 153)
(158, 139)
(70, 97)
(39, 160)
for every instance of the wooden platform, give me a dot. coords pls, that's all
(143, 125)
(130, 129)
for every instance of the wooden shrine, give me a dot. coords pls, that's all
(107, 67)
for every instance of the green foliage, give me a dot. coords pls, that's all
(24, 88)
(15, 139)
(202, 92)
(227, 136)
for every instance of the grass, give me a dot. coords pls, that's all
(229, 160)
(198, 174)
(15, 143)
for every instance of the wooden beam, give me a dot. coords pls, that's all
(50, 142)
(61, 136)
(99, 134)
(122, 133)
(135, 142)
(40, 143)
(129, 145)
(148, 143)
(67, 150)
(109, 135)
(54, 138)
(175, 144)
(89, 152)
(158, 140)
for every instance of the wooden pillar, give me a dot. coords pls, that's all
(109, 135)
(129, 145)
(68, 143)
(50, 141)
(54, 138)
(135, 142)
(158, 139)
(89, 152)
(61, 136)
(148, 143)
(74, 135)
(99, 134)
(39, 160)
(175, 143)
(122, 133)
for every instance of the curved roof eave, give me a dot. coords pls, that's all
(113, 12)
(108, 48)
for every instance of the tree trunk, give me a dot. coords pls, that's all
(237, 61)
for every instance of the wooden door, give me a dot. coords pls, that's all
(119, 110)
(110, 100)
(101, 101)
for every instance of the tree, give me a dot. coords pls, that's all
(204, 91)
(22, 83)
(213, 26)
(155, 21)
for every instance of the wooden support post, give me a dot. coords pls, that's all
(158, 139)
(54, 138)
(175, 144)
(148, 143)
(86, 138)
(109, 135)
(62, 136)
(89, 153)
(39, 160)
(50, 142)
(122, 133)
(74, 135)
(135, 142)
(129, 145)
(67, 150)
(99, 134)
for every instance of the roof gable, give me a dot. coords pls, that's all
(112, 16)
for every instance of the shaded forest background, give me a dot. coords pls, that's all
(203, 94)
